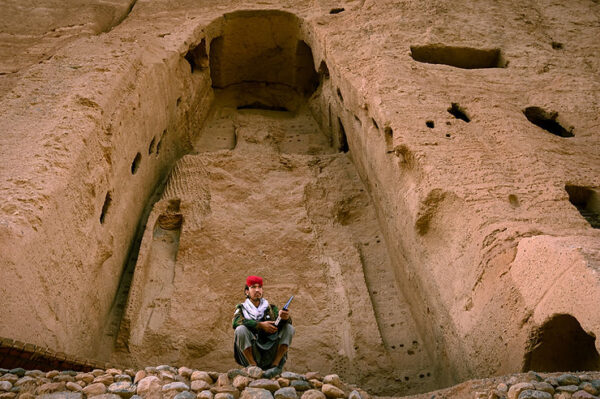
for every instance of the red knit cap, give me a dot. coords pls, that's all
(251, 280)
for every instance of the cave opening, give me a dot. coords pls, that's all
(255, 66)
(560, 344)
(587, 202)
(458, 57)
(547, 121)
(458, 112)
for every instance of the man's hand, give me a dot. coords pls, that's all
(284, 314)
(267, 326)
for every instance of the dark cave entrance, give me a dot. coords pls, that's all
(560, 344)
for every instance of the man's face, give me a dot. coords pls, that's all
(255, 292)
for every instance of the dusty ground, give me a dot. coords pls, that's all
(427, 204)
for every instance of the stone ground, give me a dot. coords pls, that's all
(167, 382)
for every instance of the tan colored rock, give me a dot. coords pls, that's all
(105, 379)
(283, 382)
(223, 380)
(185, 372)
(72, 386)
(141, 374)
(202, 385)
(85, 377)
(333, 379)
(201, 375)
(97, 388)
(316, 383)
(515, 390)
(331, 391)
(313, 394)
(240, 382)
(149, 387)
(50, 388)
(269, 385)
(205, 395)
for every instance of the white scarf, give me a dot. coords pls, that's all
(252, 312)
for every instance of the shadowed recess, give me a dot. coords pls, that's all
(458, 112)
(197, 57)
(135, 165)
(342, 139)
(459, 57)
(547, 121)
(105, 206)
(587, 202)
(560, 344)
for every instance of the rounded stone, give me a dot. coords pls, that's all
(316, 383)
(122, 377)
(283, 382)
(240, 382)
(516, 389)
(199, 385)
(583, 395)
(105, 396)
(534, 394)
(589, 388)
(256, 393)
(292, 376)
(331, 391)
(72, 386)
(568, 379)
(313, 375)
(205, 395)
(224, 395)
(255, 372)
(52, 373)
(113, 371)
(8, 395)
(139, 376)
(286, 393)
(35, 373)
(96, 388)
(5, 386)
(85, 377)
(148, 384)
(568, 388)
(166, 367)
(176, 386)
(19, 372)
(185, 395)
(51, 387)
(223, 380)
(10, 378)
(105, 379)
(263, 383)
(333, 379)
(544, 386)
(313, 394)
(185, 372)
(122, 388)
(201, 375)
(231, 374)
(301, 385)
(64, 378)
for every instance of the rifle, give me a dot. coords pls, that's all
(285, 307)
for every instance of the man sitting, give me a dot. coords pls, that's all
(258, 342)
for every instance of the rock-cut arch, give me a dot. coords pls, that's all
(560, 344)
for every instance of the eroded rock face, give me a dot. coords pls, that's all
(427, 191)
